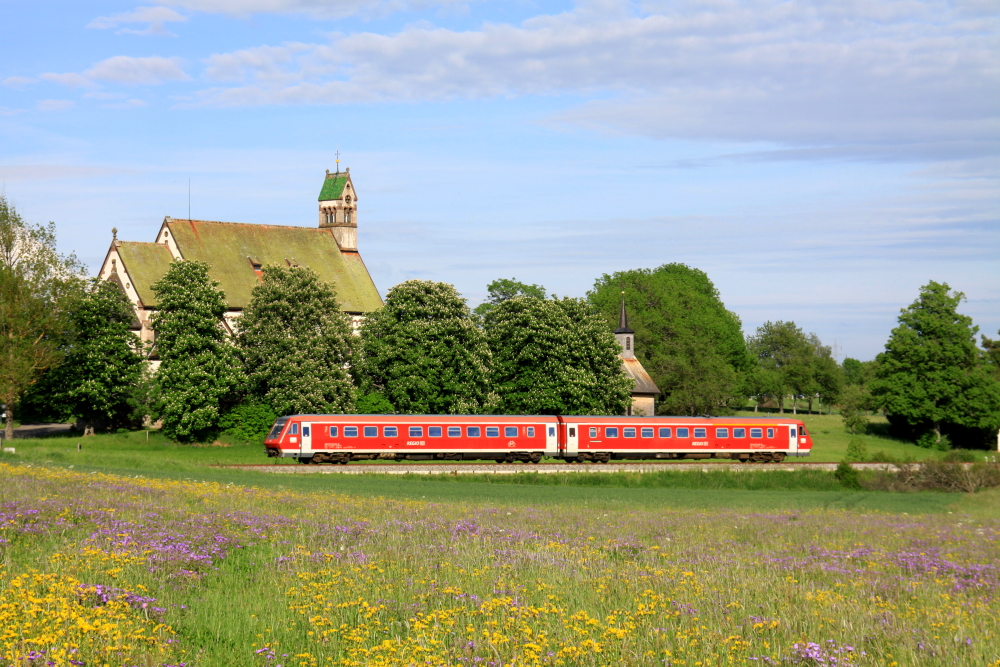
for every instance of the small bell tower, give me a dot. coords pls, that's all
(338, 207)
(625, 336)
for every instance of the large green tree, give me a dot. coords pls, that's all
(686, 339)
(199, 371)
(787, 357)
(296, 344)
(103, 363)
(36, 283)
(502, 289)
(424, 353)
(932, 377)
(555, 357)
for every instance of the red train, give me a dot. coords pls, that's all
(505, 439)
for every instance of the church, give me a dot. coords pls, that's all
(644, 390)
(237, 252)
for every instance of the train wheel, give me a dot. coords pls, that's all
(535, 458)
(500, 460)
(778, 458)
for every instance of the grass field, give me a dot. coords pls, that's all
(103, 569)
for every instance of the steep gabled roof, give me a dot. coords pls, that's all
(145, 264)
(225, 246)
(643, 383)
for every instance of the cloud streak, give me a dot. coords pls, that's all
(795, 73)
(156, 19)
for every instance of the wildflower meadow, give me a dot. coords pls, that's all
(99, 569)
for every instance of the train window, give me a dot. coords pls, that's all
(739, 433)
(530, 431)
(802, 430)
(647, 433)
(305, 431)
(628, 432)
(434, 431)
(510, 431)
(416, 431)
(701, 433)
(278, 425)
(492, 431)
(333, 431)
(552, 431)
(294, 430)
(770, 432)
(454, 431)
(593, 431)
(370, 431)
(350, 431)
(473, 431)
(390, 432)
(611, 432)
(721, 433)
(756, 433)
(665, 433)
(683, 433)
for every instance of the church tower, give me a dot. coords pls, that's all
(338, 208)
(644, 390)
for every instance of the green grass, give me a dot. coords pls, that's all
(132, 454)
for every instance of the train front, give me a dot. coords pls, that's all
(275, 445)
(805, 441)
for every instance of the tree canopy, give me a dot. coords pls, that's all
(502, 289)
(685, 338)
(787, 359)
(36, 282)
(932, 378)
(555, 357)
(296, 344)
(424, 353)
(199, 371)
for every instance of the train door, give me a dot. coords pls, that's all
(552, 439)
(572, 439)
(793, 440)
(306, 449)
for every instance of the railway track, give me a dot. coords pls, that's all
(476, 468)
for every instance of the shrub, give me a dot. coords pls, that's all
(857, 451)
(248, 421)
(936, 476)
(847, 475)
(960, 456)
(931, 440)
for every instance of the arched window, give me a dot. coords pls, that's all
(628, 342)
(347, 217)
(331, 217)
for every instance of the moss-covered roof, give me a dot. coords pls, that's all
(643, 383)
(145, 263)
(333, 187)
(225, 246)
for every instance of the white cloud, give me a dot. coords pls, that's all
(55, 105)
(138, 71)
(155, 18)
(70, 80)
(7, 111)
(804, 72)
(323, 9)
(17, 81)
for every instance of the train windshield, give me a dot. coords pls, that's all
(276, 429)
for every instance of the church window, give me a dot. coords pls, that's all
(347, 217)
(331, 217)
(628, 342)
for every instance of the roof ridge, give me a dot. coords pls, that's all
(251, 224)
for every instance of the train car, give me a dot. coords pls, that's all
(344, 438)
(753, 439)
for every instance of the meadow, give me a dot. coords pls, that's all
(103, 569)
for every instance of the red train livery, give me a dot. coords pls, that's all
(505, 439)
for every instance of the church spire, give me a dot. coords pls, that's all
(623, 319)
(624, 335)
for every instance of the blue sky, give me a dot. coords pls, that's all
(819, 160)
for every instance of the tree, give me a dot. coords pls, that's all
(555, 357)
(827, 376)
(199, 371)
(687, 341)
(35, 284)
(782, 349)
(502, 289)
(853, 402)
(102, 366)
(992, 355)
(424, 353)
(296, 344)
(853, 371)
(931, 376)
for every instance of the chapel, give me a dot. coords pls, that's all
(236, 253)
(644, 390)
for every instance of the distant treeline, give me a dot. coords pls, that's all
(67, 352)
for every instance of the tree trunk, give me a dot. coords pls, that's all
(781, 405)
(810, 404)
(8, 430)
(795, 405)
(88, 428)
(756, 404)
(937, 431)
